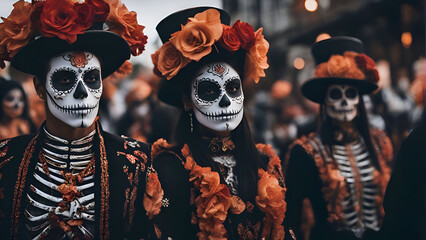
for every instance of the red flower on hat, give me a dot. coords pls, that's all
(366, 64)
(61, 18)
(15, 31)
(229, 39)
(124, 23)
(100, 10)
(245, 33)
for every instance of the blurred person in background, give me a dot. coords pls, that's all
(336, 177)
(217, 183)
(15, 120)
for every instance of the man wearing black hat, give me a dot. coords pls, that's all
(338, 175)
(71, 180)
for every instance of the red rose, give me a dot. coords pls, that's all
(85, 15)
(59, 18)
(366, 64)
(229, 39)
(100, 10)
(245, 33)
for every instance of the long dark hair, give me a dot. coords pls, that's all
(246, 155)
(361, 123)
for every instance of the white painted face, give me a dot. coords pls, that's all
(13, 103)
(341, 102)
(74, 88)
(218, 97)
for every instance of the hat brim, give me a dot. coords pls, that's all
(315, 89)
(111, 49)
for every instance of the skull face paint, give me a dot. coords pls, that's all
(217, 97)
(342, 102)
(13, 103)
(74, 88)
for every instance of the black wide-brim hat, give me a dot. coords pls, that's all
(111, 49)
(170, 91)
(315, 89)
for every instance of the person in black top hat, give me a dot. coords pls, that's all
(71, 180)
(217, 183)
(336, 177)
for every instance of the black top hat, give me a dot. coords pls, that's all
(111, 49)
(170, 91)
(315, 89)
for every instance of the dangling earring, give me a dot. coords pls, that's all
(191, 122)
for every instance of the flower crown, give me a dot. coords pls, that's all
(196, 40)
(349, 65)
(66, 19)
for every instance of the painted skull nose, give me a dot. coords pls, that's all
(224, 102)
(344, 103)
(80, 91)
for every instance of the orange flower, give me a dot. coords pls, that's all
(237, 205)
(340, 66)
(68, 191)
(209, 183)
(229, 39)
(196, 38)
(216, 206)
(16, 30)
(168, 60)
(124, 23)
(270, 199)
(153, 195)
(256, 59)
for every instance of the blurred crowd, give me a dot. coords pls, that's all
(278, 114)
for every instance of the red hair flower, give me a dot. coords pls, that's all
(245, 33)
(16, 30)
(58, 18)
(229, 39)
(100, 10)
(366, 64)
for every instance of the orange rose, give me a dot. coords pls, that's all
(345, 67)
(256, 59)
(124, 23)
(60, 18)
(17, 29)
(153, 196)
(270, 194)
(209, 183)
(196, 38)
(69, 192)
(229, 39)
(168, 60)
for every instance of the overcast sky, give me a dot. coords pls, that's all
(150, 12)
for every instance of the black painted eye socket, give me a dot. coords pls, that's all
(335, 93)
(351, 93)
(63, 80)
(233, 87)
(92, 79)
(208, 90)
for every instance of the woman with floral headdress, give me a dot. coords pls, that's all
(217, 183)
(336, 177)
